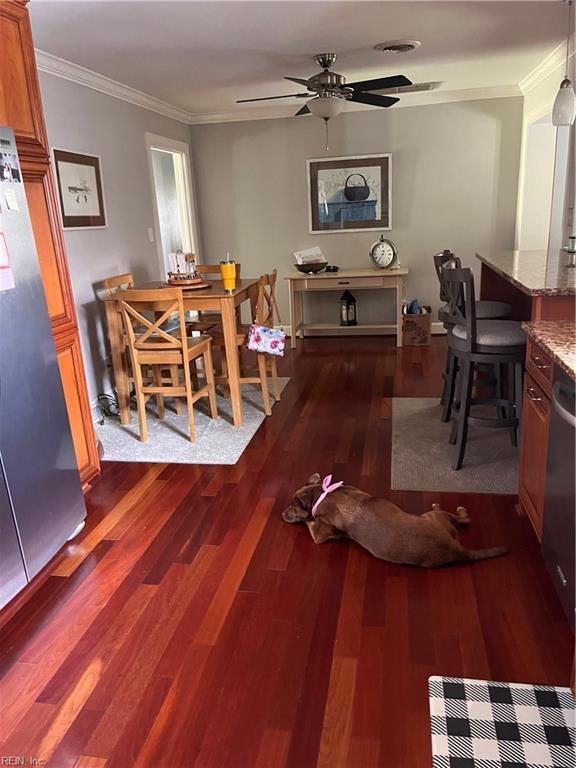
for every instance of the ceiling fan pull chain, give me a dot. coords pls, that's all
(326, 130)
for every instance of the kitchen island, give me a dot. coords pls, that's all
(539, 285)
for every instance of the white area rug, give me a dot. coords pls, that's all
(421, 455)
(217, 441)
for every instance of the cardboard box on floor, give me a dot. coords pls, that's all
(417, 329)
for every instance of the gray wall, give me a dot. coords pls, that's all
(82, 120)
(455, 174)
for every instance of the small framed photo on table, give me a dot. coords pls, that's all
(80, 190)
(350, 194)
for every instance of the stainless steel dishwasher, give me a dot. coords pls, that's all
(559, 502)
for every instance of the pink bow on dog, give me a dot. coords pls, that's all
(326, 489)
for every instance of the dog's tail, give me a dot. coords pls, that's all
(484, 554)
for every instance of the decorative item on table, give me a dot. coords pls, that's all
(350, 194)
(310, 261)
(348, 309)
(183, 272)
(228, 273)
(268, 340)
(416, 324)
(384, 253)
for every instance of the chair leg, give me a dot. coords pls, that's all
(275, 379)
(264, 382)
(463, 413)
(175, 382)
(449, 385)
(141, 403)
(445, 376)
(157, 376)
(518, 395)
(209, 370)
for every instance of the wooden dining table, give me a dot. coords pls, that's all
(214, 298)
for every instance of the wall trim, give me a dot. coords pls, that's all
(547, 66)
(67, 70)
(54, 65)
(437, 329)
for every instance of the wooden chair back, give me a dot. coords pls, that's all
(440, 260)
(118, 283)
(266, 301)
(213, 271)
(148, 342)
(461, 301)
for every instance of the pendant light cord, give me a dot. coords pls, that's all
(568, 37)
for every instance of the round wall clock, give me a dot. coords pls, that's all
(383, 253)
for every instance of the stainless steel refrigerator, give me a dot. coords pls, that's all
(41, 501)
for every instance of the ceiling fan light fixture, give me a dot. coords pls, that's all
(326, 106)
(398, 46)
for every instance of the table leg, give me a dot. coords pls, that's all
(300, 313)
(293, 318)
(232, 360)
(399, 298)
(119, 361)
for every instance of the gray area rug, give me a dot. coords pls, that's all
(421, 456)
(217, 441)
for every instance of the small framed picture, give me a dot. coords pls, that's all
(350, 194)
(80, 190)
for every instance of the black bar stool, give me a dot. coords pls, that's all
(485, 310)
(474, 342)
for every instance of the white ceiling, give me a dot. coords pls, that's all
(202, 56)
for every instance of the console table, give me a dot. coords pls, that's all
(345, 279)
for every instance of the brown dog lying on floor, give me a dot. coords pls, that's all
(383, 528)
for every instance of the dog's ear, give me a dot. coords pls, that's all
(314, 479)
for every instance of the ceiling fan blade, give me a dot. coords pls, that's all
(286, 96)
(415, 88)
(299, 80)
(379, 83)
(303, 111)
(373, 99)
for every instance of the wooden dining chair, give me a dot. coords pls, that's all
(113, 285)
(263, 314)
(151, 346)
(208, 320)
(118, 283)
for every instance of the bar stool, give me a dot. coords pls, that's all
(474, 342)
(485, 310)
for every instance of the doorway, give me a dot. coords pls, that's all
(173, 197)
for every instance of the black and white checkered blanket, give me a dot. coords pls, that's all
(484, 724)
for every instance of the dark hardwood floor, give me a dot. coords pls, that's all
(189, 626)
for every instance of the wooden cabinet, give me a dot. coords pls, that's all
(21, 109)
(534, 439)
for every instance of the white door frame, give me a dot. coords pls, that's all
(153, 141)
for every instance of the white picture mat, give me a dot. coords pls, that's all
(79, 189)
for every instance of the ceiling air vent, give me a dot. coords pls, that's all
(398, 46)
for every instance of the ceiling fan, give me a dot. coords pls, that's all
(327, 91)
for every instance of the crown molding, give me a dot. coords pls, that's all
(547, 66)
(408, 100)
(54, 65)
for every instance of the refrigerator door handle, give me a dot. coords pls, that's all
(564, 414)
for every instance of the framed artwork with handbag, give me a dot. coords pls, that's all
(350, 194)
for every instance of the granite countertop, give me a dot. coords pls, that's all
(537, 273)
(558, 339)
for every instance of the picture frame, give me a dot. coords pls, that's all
(350, 193)
(80, 190)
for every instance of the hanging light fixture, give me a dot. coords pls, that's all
(326, 106)
(564, 110)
